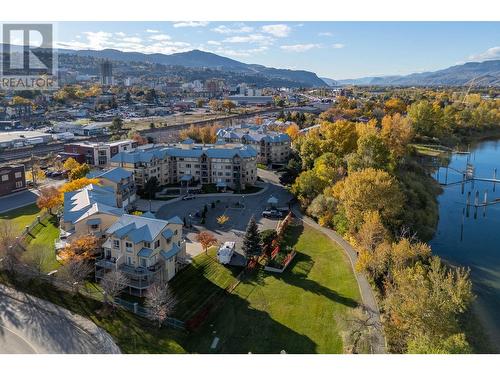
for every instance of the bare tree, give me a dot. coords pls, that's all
(75, 272)
(36, 257)
(360, 330)
(160, 301)
(9, 251)
(112, 285)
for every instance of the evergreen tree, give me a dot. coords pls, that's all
(252, 246)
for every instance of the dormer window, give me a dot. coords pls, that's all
(147, 244)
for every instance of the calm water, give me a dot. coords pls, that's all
(473, 240)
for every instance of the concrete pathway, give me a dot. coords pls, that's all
(31, 325)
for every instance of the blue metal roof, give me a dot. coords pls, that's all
(145, 252)
(114, 174)
(94, 221)
(167, 233)
(172, 252)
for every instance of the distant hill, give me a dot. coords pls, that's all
(485, 73)
(201, 59)
(329, 81)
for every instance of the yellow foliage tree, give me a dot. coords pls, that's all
(49, 198)
(70, 164)
(292, 131)
(78, 184)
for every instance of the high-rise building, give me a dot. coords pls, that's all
(106, 73)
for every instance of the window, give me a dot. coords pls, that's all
(147, 244)
(129, 261)
(175, 232)
(157, 244)
(18, 174)
(5, 177)
(94, 226)
(128, 246)
(19, 184)
(143, 262)
(116, 244)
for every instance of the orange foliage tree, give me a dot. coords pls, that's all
(81, 248)
(206, 239)
(49, 198)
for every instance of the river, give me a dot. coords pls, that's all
(471, 237)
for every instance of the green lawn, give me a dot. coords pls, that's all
(20, 217)
(295, 311)
(42, 239)
(199, 282)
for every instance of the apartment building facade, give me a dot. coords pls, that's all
(99, 154)
(12, 179)
(272, 147)
(145, 249)
(233, 166)
(121, 181)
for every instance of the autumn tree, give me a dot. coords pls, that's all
(112, 284)
(252, 246)
(293, 131)
(116, 124)
(360, 331)
(160, 302)
(394, 105)
(339, 137)
(206, 239)
(79, 172)
(135, 136)
(371, 233)
(309, 147)
(307, 186)
(228, 105)
(78, 184)
(426, 119)
(70, 164)
(425, 302)
(215, 105)
(396, 133)
(369, 190)
(371, 152)
(81, 248)
(49, 198)
(323, 208)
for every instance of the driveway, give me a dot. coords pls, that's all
(239, 209)
(31, 325)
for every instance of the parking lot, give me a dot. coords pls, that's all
(239, 209)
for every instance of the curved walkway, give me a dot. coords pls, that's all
(31, 325)
(367, 296)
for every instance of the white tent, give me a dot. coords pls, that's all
(272, 201)
(225, 252)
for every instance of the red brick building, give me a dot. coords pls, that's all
(12, 179)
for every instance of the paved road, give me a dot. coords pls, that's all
(30, 325)
(235, 228)
(17, 200)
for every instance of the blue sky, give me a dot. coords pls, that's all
(331, 49)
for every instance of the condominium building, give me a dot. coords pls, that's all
(99, 154)
(225, 165)
(272, 147)
(145, 249)
(87, 211)
(122, 183)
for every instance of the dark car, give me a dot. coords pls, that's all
(188, 197)
(273, 214)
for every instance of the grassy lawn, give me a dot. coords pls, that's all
(43, 239)
(199, 282)
(20, 217)
(295, 311)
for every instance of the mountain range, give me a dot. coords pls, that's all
(200, 59)
(486, 73)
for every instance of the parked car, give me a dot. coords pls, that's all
(188, 197)
(273, 214)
